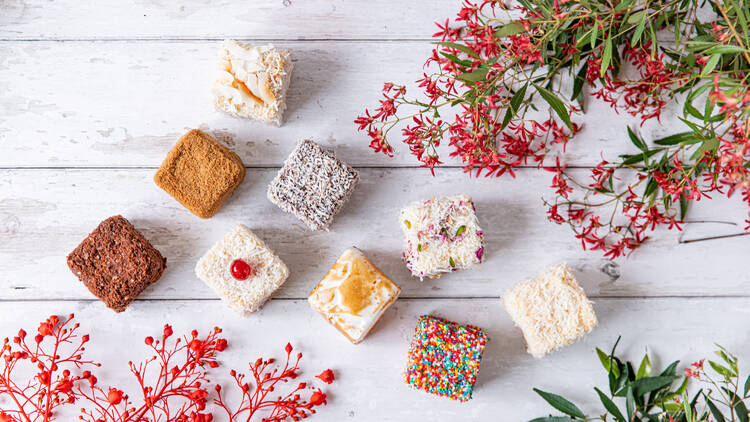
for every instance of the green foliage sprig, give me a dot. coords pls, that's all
(638, 393)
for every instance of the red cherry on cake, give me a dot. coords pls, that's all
(241, 270)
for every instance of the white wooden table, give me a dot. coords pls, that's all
(93, 95)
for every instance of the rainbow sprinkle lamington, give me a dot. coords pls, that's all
(444, 357)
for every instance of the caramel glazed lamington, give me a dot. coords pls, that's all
(354, 295)
(252, 82)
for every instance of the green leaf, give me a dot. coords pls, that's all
(644, 370)
(684, 202)
(671, 369)
(585, 38)
(610, 406)
(630, 403)
(637, 158)
(452, 262)
(578, 82)
(456, 60)
(556, 105)
(678, 138)
(638, 142)
(721, 370)
(561, 404)
(741, 411)
(649, 384)
(460, 230)
(607, 363)
(637, 16)
(594, 35)
(715, 412)
(725, 49)
(553, 419)
(477, 75)
(747, 385)
(709, 145)
(606, 57)
(638, 31)
(515, 104)
(624, 4)
(710, 65)
(512, 28)
(459, 47)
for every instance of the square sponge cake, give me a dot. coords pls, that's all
(252, 81)
(242, 270)
(200, 173)
(313, 185)
(116, 263)
(441, 235)
(353, 295)
(444, 357)
(551, 310)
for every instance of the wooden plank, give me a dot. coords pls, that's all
(44, 214)
(369, 384)
(259, 19)
(124, 104)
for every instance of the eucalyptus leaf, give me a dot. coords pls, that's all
(610, 406)
(557, 105)
(560, 403)
(606, 57)
(460, 47)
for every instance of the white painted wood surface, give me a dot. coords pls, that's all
(93, 95)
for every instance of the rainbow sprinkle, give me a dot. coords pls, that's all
(444, 357)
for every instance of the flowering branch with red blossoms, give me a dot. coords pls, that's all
(494, 67)
(173, 383)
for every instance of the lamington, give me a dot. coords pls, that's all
(313, 185)
(242, 270)
(551, 310)
(200, 173)
(116, 263)
(444, 357)
(252, 81)
(353, 295)
(441, 235)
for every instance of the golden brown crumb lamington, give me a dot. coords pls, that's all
(116, 263)
(200, 173)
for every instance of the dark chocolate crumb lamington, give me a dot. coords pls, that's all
(116, 263)
(313, 185)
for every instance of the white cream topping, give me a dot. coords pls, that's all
(354, 294)
(251, 81)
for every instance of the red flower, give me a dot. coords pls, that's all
(114, 396)
(326, 376)
(318, 398)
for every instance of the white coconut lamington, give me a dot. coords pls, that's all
(266, 273)
(313, 185)
(441, 235)
(252, 81)
(353, 295)
(551, 310)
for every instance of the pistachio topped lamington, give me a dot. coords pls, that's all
(441, 235)
(252, 81)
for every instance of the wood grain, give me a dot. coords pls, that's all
(369, 384)
(123, 104)
(217, 19)
(44, 214)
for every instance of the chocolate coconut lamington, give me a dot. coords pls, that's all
(313, 185)
(116, 263)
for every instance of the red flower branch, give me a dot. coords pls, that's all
(266, 378)
(39, 378)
